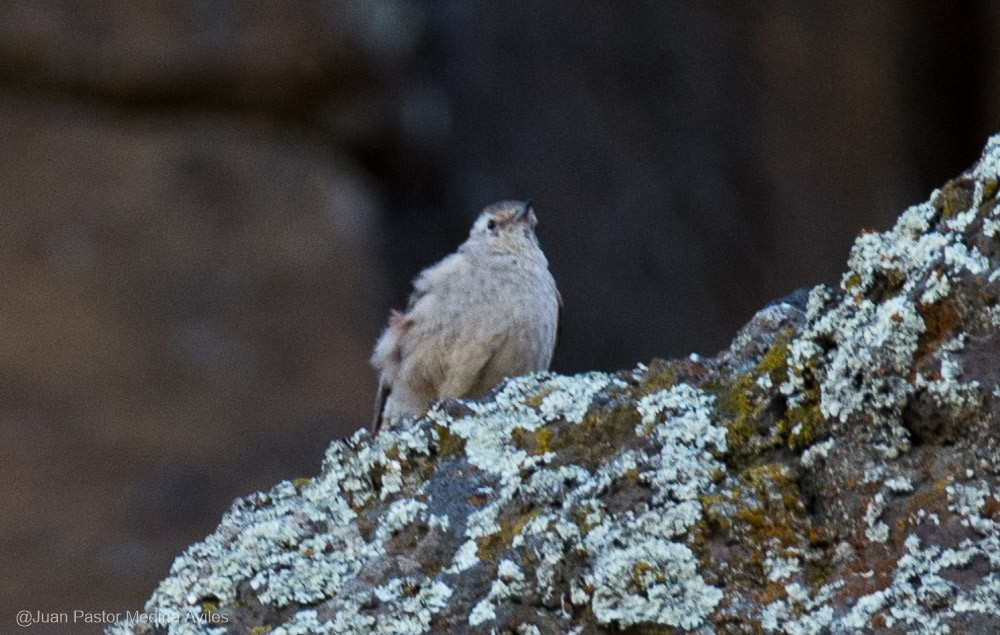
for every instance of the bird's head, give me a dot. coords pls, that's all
(506, 227)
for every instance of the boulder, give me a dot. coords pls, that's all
(835, 470)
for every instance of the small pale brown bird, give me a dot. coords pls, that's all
(488, 311)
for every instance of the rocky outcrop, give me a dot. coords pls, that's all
(834, 471)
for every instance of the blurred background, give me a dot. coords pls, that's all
(207, 208)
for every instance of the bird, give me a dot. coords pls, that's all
(490, 310)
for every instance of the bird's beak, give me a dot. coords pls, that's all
(530, 211)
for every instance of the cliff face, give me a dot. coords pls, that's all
(835, 470)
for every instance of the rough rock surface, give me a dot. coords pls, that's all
(836, 470)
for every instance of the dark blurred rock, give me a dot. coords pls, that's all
(263, 54)
(188, 302)
(689, 161)
(777, 488)
(186, 239)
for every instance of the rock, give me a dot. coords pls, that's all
(264, 55)
(188, 236)
(162, 271)
(835, 471)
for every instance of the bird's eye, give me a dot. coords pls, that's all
(491, 225)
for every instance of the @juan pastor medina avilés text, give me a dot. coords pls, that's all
(28, 618)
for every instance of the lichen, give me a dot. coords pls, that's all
(834, 471)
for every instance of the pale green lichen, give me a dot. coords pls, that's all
(597, 496)
(862, 346)
(616, 542)
(302, 543)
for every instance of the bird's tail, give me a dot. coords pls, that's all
(380, 398)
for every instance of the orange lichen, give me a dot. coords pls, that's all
(941, 319)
